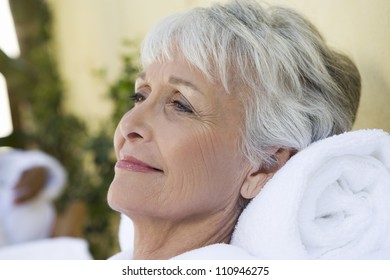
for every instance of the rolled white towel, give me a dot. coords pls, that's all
(330, 201)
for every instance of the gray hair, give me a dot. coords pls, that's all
(295, 89)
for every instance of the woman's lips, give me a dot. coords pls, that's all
(132, 164)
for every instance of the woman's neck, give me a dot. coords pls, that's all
(161, 239)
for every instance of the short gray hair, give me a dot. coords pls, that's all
(295, 89)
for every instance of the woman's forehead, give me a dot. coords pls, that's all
(177, 68)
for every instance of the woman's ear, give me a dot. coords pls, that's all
(257, 178)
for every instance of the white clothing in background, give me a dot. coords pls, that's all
(34, 219)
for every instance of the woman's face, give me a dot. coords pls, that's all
(178, 148)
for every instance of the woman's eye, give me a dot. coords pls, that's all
(182, 106)
(137, 97)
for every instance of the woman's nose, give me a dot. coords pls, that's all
(135, 124)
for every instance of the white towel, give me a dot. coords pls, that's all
(329, 201)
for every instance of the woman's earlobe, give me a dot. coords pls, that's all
(253, 184)
(257, 179)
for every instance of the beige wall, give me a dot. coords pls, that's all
(89, 36)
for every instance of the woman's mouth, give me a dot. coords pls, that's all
(132, 164)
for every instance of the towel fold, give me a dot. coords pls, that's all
(329, 201)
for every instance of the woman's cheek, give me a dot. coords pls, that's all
(189, 172)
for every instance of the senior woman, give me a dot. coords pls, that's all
(226, 96)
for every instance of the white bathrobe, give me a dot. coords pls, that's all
(34, 219)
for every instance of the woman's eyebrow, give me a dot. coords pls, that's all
(174, 80)
(179, 81)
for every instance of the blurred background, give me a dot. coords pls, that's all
(68, 72)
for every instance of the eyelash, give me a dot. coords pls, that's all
(179, 105)
(136, 97)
